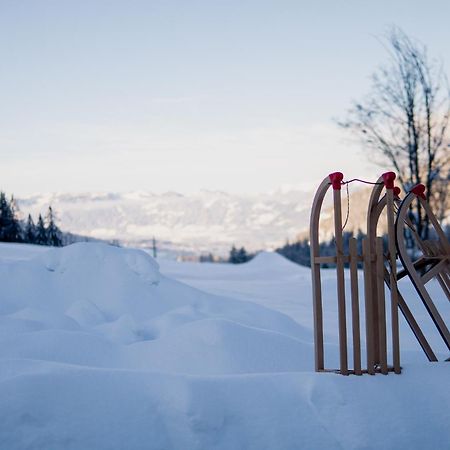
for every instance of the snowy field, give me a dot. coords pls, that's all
(102, 349)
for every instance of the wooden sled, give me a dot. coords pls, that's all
(379, 261)
(377, 204)
(433, 263)
(374, 263)
(382, 266)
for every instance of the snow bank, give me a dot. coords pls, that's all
(99, 350)
(102, 306)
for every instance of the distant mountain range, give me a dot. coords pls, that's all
(208, 221)
(205, 222)
(201, 223)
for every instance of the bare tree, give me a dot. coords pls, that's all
(405, 121)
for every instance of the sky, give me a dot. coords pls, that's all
(239, 96)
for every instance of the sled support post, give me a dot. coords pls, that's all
(340, 274)
(381, 306)
(368, 295)
(389, 178)
(355, 305)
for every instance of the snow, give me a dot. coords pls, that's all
(103, 348)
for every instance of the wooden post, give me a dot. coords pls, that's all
(381, 305)
(393, 279)
(369, 300)
(355, 305)
(340, 280)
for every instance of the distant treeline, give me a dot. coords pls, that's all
(235, 256)
(299, 251)
(12, 229)
(239, 256)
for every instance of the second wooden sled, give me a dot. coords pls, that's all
(433, 263)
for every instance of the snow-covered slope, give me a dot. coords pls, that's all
(203, 222)
(101, 349)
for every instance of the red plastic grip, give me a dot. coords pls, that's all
(419, 190)
(336, 180)
(388, 179)
(397, 191)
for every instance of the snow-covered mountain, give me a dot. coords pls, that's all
(208, 221)
(204, 222)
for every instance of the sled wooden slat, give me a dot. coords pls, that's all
(374, 210)
(343, 359)
(431, 273)
(355, 306)
(393, 280)
(444, 281)
(325, 259)
(333, 259)
(368, 296)
(381, 306)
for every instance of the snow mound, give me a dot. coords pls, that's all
(96, 305)
(86, 261)
(272, 261)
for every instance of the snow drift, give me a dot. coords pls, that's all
(99, 350)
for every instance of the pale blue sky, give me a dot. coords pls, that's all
(182, 95)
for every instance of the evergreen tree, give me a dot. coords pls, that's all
(41, 232)
(3, 216)
(13, 230)
(7, 225)
(238, 256)
(242, 255)
(53, 234)
(30, 231)
(298, 252)
(233, 259)
(16, 233)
